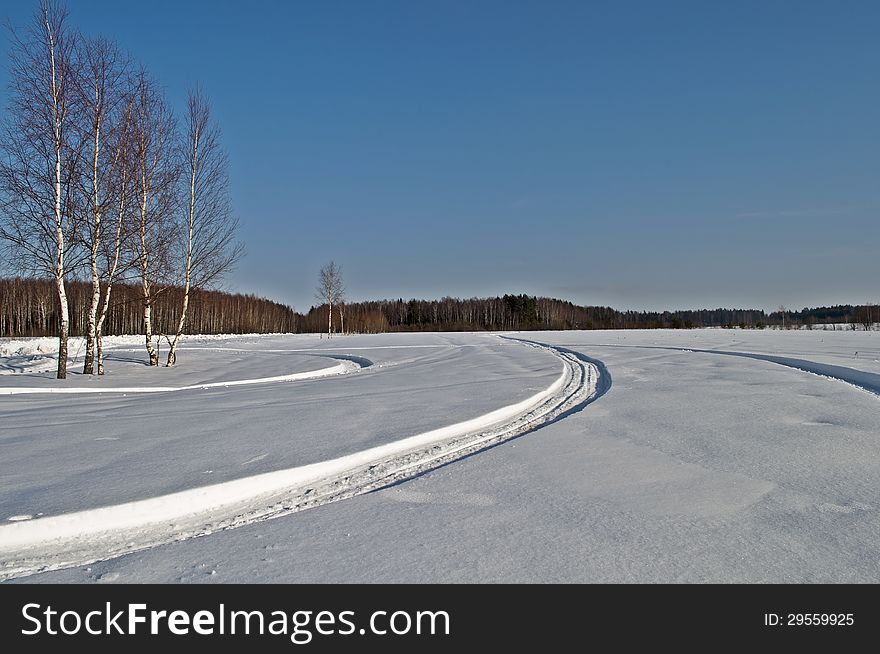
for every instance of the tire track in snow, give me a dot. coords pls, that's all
(867, 381)
(83, 537)
(347, 365)
(861, 379)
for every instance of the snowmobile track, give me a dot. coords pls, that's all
(92, 535)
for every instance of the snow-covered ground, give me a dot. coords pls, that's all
(660, 456)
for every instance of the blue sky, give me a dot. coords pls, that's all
(638, 154)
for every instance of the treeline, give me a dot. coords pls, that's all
(28, 307)
(514, 312)
(524, 312)
(862, 315)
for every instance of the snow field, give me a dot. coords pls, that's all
(712, 455)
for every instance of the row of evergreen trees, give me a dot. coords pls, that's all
(525, 312)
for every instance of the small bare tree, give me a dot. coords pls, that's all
(37, 216)
(209, 247)
(156, 177)
(864, 315)
(330, 291)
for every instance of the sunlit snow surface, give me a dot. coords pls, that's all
(694, 466)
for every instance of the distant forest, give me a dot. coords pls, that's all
(524, 312)
(28, 308)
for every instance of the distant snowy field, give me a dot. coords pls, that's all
(640, 456)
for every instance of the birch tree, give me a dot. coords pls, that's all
(40, 156)
(156, 174)
(122, 180)
(330, 290)
(102, 91)
(209, 246)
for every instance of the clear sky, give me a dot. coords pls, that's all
(638, 154)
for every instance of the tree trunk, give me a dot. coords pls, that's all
(89, 363)
(148, 334)
(91, 330)
(111, 275)
(57, 117)
(64, 327)
(145, 283)
(99, 350)
(99, 329)
(172, 345)
(330, 321)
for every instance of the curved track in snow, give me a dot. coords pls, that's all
(96, 534)
(861, 379)
(867, 381)
(346, 364)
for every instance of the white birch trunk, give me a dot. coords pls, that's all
(148, 335)
(172, 345)
(91, 330)
(99, 329)
(64, 327)
(111, 275)
(145, 278)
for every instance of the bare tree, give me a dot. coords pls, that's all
(102, 94)
(155, 180)
(864, 315)
(123, 184)
(330, 290)
(37, 173)
(209, 247)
